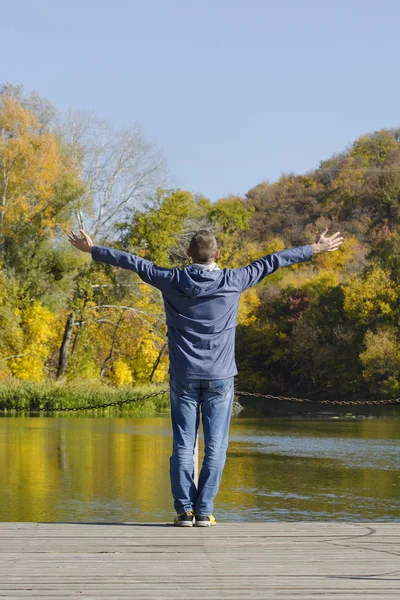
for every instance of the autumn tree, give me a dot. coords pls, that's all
(30, 169)
(119, 170)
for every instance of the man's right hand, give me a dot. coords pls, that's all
(84, 243)
(327, 244)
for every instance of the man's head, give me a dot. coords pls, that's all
(203, 247)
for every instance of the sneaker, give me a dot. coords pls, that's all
(184, 519)
(202, 521)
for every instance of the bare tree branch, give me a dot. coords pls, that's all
(120, 169)
(16, 356)
(113, 341)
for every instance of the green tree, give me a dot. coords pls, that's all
(155, 233)
(381, 361)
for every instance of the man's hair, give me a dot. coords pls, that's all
(203, 246)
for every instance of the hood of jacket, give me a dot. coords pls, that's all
(194, 282)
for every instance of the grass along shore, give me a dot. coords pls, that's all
(18, 397)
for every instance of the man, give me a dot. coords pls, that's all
(201, 303)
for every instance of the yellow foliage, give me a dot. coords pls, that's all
(292, 182)
(381, 361)
(121, 374)
(139, 332)
(339, 258)
(86, 370)
(144, 359)
(37, 324)
(381, 355)
(372, 296)
(320, 283)
(307, 181)
(249, 302)
(28, 368)
(276, 244)
(234, 256)
(29, 165)
(148, 342)
(375, 148)
(296, 277)
(3, 289)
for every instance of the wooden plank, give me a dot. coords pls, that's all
(345, 561)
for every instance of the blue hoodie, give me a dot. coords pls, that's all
(201, 307)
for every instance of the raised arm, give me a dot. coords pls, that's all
(147, 271)
(255, 272)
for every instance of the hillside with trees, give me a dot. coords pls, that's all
(328, 328)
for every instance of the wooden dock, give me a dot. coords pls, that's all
(285, 561)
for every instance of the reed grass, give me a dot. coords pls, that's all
(26, 397)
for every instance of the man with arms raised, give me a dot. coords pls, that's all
(201, 304)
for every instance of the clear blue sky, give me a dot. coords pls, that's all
(234, 92)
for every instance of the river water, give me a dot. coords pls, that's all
(114, 469)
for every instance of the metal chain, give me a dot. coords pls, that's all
(237, 393)
(340, 402)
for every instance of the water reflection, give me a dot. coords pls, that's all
(116, 469)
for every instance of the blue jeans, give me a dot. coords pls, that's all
(215, 399)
